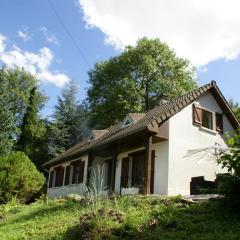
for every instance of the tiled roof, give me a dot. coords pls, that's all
(98, 133)
(156, 116)
(136, 116)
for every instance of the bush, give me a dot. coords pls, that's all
(19, 178)
(228, 185)
(231, 158)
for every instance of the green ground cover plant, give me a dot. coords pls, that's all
(132, 217)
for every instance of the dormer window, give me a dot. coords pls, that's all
(91, 138)
(127, 122)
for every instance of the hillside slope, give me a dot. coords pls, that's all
(119, 218)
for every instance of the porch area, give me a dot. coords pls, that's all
(126, 167)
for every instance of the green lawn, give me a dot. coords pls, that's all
(120, 218)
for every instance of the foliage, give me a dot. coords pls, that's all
(7, 125)
(65, 129)
(18, 177)
(32, 129)
(129, 217)
(231, 158)
(136, 80)
(235, 107)
(15, 90)
(19, 88)
(228, 185)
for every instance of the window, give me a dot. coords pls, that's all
(202, 117)
(124, 172)
(50, 183)
(127, 122)
(67, 175)
(207, 119)
(219, 122)
(59, 176)
(91, 138)
(78, 172)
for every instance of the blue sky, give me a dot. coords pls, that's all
(31, 35)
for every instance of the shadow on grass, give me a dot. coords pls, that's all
(42, 211)
(207, 221)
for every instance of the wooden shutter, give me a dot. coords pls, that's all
(50, 183)
(197, 115)
(219, 122)
(67, 175)
(124, 172)
(81, 175)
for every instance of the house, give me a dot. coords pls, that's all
(161, 152)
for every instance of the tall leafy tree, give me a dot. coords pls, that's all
(7, 125)
(136, 80)
(65, 129)
(19, 84)
(20, 98)
(235, 107)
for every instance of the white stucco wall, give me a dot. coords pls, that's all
(64, 191)
(184, 136)
(161, 167)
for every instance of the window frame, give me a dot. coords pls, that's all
(78, 175)
(212, 122)
(213, 113)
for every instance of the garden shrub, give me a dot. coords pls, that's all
(229, 184)
(19, 178)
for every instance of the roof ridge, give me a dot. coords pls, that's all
(157, 115)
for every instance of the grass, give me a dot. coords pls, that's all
(119, 218)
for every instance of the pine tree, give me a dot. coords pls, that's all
(29, 127)
(65, 129)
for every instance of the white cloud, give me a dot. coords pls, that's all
(24, 35)
(49, 37)
(36, 63)
(202, 31)
(2, 44)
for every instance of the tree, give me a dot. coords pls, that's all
(15, 90)
(29, 124)
(235, 107)
(136, 80)
(7, 125)
(229, 185)
(65, 129)
(33, 131)
(231, 158)
(19, 177)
